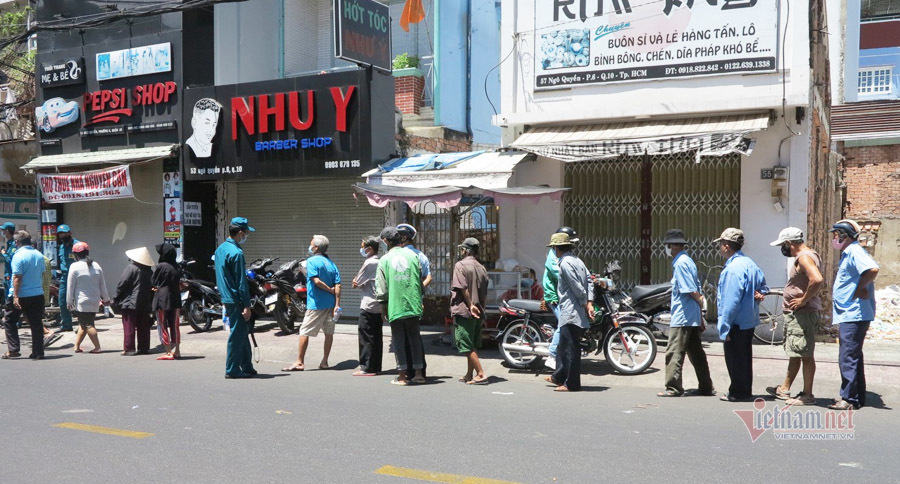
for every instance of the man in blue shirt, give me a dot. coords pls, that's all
(323, 302)
(231, 280)
(687, 322)
(741, 286)
(853, 300)
(65, 259)
(27, 293)
(551, 298)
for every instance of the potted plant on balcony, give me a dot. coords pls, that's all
(409, 83)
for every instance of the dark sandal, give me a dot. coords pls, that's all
(9, 355)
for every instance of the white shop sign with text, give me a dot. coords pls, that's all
(583, 42)
(89, 185)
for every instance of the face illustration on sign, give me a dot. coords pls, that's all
(54, 113)
(204, 122)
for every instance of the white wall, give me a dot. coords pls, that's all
(521, 104)
(110, 227)
(851, 52)
(248, 41)
(837, 36)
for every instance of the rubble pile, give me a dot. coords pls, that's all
(886, 326)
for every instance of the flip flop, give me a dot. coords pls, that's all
(402, 383)
(419, 381)
(165, 357)
(94, 351)
(483, 381)
(293, 368)
(9, 355)
(561, 388)
(79, 350)
(324, 367)
(668, 393)
(363, 373)
(549, 379)
(463, 379)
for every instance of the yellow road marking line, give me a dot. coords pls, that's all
(104, 430)
(436, 476)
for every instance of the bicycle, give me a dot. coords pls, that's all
(771, 313)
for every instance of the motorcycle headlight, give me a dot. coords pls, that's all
(251, 274)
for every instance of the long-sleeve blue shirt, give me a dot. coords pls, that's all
(230, 274)
(7, 258)
(740, 279)
(65, 257)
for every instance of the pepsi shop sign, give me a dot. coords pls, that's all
(116, 105)
(316, 125)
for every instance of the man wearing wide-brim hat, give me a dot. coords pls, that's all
(741, 286)
(134, 294)
(576, 312)
(687, 323)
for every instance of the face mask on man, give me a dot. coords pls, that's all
(838, 242)
(243, 239)
(786, 250)
(668, 251)
(362, 252)
(311, 250)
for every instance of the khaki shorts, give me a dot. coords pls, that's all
(315, 320)
(800, 333)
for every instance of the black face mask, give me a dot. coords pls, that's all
(786, 250)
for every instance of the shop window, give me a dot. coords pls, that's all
(875, 80)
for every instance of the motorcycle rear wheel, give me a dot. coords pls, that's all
(770, 329)
(285, 317)
(520, 332)
(193, 312)
(642, 347)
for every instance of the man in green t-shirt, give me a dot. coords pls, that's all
(398, 287)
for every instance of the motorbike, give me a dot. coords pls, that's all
(257, 273)
(200, 300)
(286, 294)
(625, 338)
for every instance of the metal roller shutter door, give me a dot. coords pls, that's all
(286, 214)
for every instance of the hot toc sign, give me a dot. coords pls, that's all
(110, 105)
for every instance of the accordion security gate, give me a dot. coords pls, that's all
(622, 208)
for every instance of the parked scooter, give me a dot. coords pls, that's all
(626, 339)
(286, 294)
(257, 273)
(200, 300)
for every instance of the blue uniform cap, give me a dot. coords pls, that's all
(242, 223)
(8, 226)
(63, 228)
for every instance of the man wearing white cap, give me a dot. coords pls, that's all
(802, 305)
(741, 286)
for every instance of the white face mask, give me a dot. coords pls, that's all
(362, 252)
(243, 239)
(311, 250)
(668, 251)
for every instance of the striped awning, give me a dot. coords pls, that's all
(865, 120)
(108, 157)
(711, 135)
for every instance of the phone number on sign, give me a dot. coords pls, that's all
(342, 164)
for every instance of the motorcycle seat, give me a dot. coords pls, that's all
(642, 292)
(529, 305)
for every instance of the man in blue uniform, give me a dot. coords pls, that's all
(231, 280)
(853, 300)
(65, 259)
(687, 321)
(9, 229)
(742, 285)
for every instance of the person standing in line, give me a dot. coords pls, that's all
(687, 322)
(231, 280)
(576, 311)
(27, 298)
(398, 288)
(371, 338)
(407, 236)
(166, 281)
(64, 259)
(468, 293)
(323, 302)
(802, 305)
(134, 298)
(742, 285)
(9, 230)
(853, 299)
(87, 289)
(551, 298)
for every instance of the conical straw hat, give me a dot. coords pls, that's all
(140, 255)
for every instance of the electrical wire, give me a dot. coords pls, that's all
(486, 95)
(787, 22)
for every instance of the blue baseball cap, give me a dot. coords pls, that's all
(63, 228)
(8, 226)
(242, 223)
